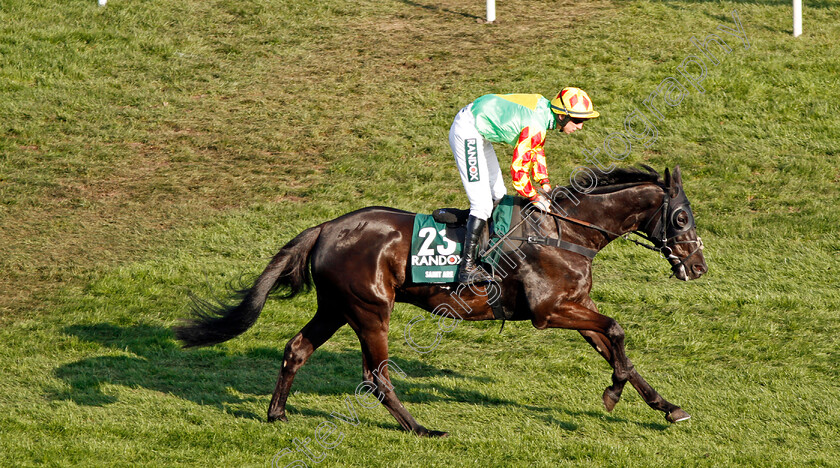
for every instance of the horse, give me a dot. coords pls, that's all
(359, 266)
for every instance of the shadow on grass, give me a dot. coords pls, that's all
(569, 426)
(146, 356)
(150, 358)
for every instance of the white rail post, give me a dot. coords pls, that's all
(491, 11)
(797, 17)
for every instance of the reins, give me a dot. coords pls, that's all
(605, 231)
(662, 239)
(626, 237)
(658, 242)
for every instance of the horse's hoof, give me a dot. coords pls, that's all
(677, 415)
(610, 399)
(423, 432)
(279, 417)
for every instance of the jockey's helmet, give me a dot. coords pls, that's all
(575, 103)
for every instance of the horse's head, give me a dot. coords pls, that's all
(674, 233)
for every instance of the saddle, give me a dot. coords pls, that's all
(456, 222)
(452, 217)
(456, 219)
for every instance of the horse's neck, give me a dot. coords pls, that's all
(625, 210)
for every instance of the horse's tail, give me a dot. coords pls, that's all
(215, 322)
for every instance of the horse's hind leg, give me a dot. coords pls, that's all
(322, 326)
(374, 341)
(673, 413)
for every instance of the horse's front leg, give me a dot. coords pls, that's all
(574, 316)
(606, 332)
(612, 394)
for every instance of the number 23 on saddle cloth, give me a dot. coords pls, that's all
(436, 245)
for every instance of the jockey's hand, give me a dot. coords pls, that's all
(541, 203)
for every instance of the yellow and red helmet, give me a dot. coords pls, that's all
(575, 103)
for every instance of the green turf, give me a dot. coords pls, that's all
(150, 149)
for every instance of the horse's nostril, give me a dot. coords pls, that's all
(699, 269)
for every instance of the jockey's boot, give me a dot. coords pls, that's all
(469, 271)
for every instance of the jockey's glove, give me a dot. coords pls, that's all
(542, 203)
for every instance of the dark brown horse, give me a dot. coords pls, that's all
(359, 264)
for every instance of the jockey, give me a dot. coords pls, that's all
(520, 120)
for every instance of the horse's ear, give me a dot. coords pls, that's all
(670, 186)
(677, 176)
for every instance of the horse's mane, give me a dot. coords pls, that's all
(615, 179)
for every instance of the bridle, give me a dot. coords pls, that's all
(673, 219)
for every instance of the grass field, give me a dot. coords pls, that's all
(150, 149)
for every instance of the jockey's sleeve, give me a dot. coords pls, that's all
(529, 157)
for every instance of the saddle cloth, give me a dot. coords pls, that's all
(437, 240)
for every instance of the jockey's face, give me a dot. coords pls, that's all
(573, 125)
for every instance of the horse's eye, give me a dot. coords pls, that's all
(681, 219)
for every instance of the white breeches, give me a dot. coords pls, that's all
(477, 164)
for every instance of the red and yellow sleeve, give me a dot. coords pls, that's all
(529, 157)
(540, 167)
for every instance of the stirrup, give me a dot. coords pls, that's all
(474, 275)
